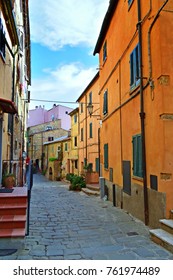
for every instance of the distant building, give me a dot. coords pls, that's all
(40, 115)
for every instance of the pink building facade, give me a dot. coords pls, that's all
(40, 115)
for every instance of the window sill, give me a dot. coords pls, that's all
(137, 178)
(134, 89)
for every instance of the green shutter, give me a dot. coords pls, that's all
(137, 156)
(106, 156)
(140, 171)
(97, 164)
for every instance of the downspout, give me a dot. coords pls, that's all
(142, 117)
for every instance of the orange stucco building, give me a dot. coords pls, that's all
(135, 48)
(89, 130)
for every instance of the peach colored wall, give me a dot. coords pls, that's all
(88, 148)
(122, 123)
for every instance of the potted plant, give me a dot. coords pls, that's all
(8, 181)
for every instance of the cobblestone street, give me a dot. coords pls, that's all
(68, 225)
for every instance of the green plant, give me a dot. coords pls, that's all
(52, 159)
(69, 177)
(8, 180)
(44, 172)
(78, 182)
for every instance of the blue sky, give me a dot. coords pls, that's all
(63, 37)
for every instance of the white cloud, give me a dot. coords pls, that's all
(66, 83)
(55, 23)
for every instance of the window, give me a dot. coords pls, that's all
(75, 141)
(130, 2)
(90, 130)
(81, 134)
(50, 138)
(90, 98)
(137, 156)
(75, 118)
(76, 164)
(66, 147)
(2, 40)
(106, 163)
(105, 103)
(81, 107)
(90, 166)
(134, 67)
(104, 51)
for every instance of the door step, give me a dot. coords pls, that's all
(167, 225)
(19, 232)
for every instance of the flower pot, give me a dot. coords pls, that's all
(9, 181)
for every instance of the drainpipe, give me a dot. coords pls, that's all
(142, 117)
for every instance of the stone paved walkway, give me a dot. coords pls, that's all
(68, 225)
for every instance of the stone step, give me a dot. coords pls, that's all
(163, 238)
(167, 225)
(13, 209)
(93, 187)
(19, 232)
(90, 192)
(171, 214)
(12, 221)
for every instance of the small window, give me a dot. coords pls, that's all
(76, 164)
(137, 156)
(105, 103)
(90, 98)
(106, 158)
(81, 134)
(75, 141)
(66, 147)
(90, 130)
(81, 107)
(134, 67)
(50, 138)
(75, 118)
(104, 51)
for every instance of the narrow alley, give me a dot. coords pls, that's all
(69, 225)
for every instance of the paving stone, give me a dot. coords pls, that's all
(73, 226)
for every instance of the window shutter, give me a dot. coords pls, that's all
(137, 156)
(140, 170)
(105, 103)
(131, 69)
(106, 156)
(97, 164)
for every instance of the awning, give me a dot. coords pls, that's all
(7, 106)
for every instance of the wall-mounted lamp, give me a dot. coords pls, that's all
(90, 110)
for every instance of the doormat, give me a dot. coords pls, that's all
(7, 252)
(6, 190)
